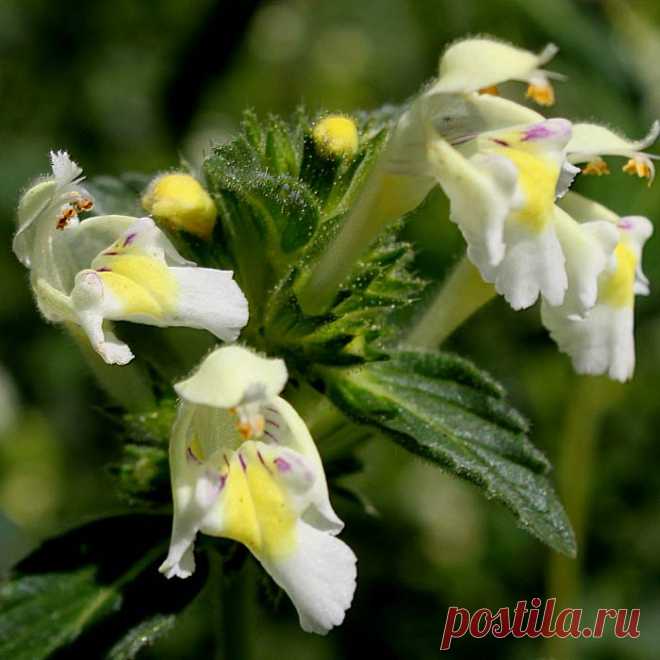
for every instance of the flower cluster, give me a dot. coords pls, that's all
(243, 463)
(507, 171)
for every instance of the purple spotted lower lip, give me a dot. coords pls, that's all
(547, 129)
(538, 132)
(282, 464)
(625, 223)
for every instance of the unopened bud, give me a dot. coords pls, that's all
(179, 201)
(336, 136)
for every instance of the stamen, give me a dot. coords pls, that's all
(80, 202)
(492, 90)
(251, 422)
(66, 214)
(596, 167)
(640, 167)
(543, 94)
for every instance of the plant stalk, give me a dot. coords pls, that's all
(590, 399)
(385, 198)
(460, 296)
(235, 637)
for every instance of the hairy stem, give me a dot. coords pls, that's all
(460, 296)
(589, 400)
(385, 198)
(237, 630)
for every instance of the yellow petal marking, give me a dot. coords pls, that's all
(256, 509)
(143, 284)
(537, 177)
(617, 287)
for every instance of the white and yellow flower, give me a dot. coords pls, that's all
(590, 142)
(434, 142)
(602, 341)
(245, 467)
(114, 268)
(502, 188)
(483, 63)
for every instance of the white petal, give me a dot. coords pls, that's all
(533, 265)
(600, 343)
(180, 561)
(292, 432)
(319, 578)
(90, 305)
(583, 209)
(472, 64)
(406, 148)
(456, 117)
(93, 235)
(636, 229)
(39, 207)
(545, 141)
(33, 203)
(587, 247)
(591, 140)
(194, 494)
(130, 281)
(481, 194)
(566, 177)
(232, 375)
(52, 303)
(64, 169)
(208, 299)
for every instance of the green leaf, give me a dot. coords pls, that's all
(142, 473)
(279, 203)
(267, 213)
(144, 634)
(442, 408)
(382, 285)
(89, 587)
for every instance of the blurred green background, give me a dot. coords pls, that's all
(127, 85)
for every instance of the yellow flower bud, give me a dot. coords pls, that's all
(336, 136)
(179, 201)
